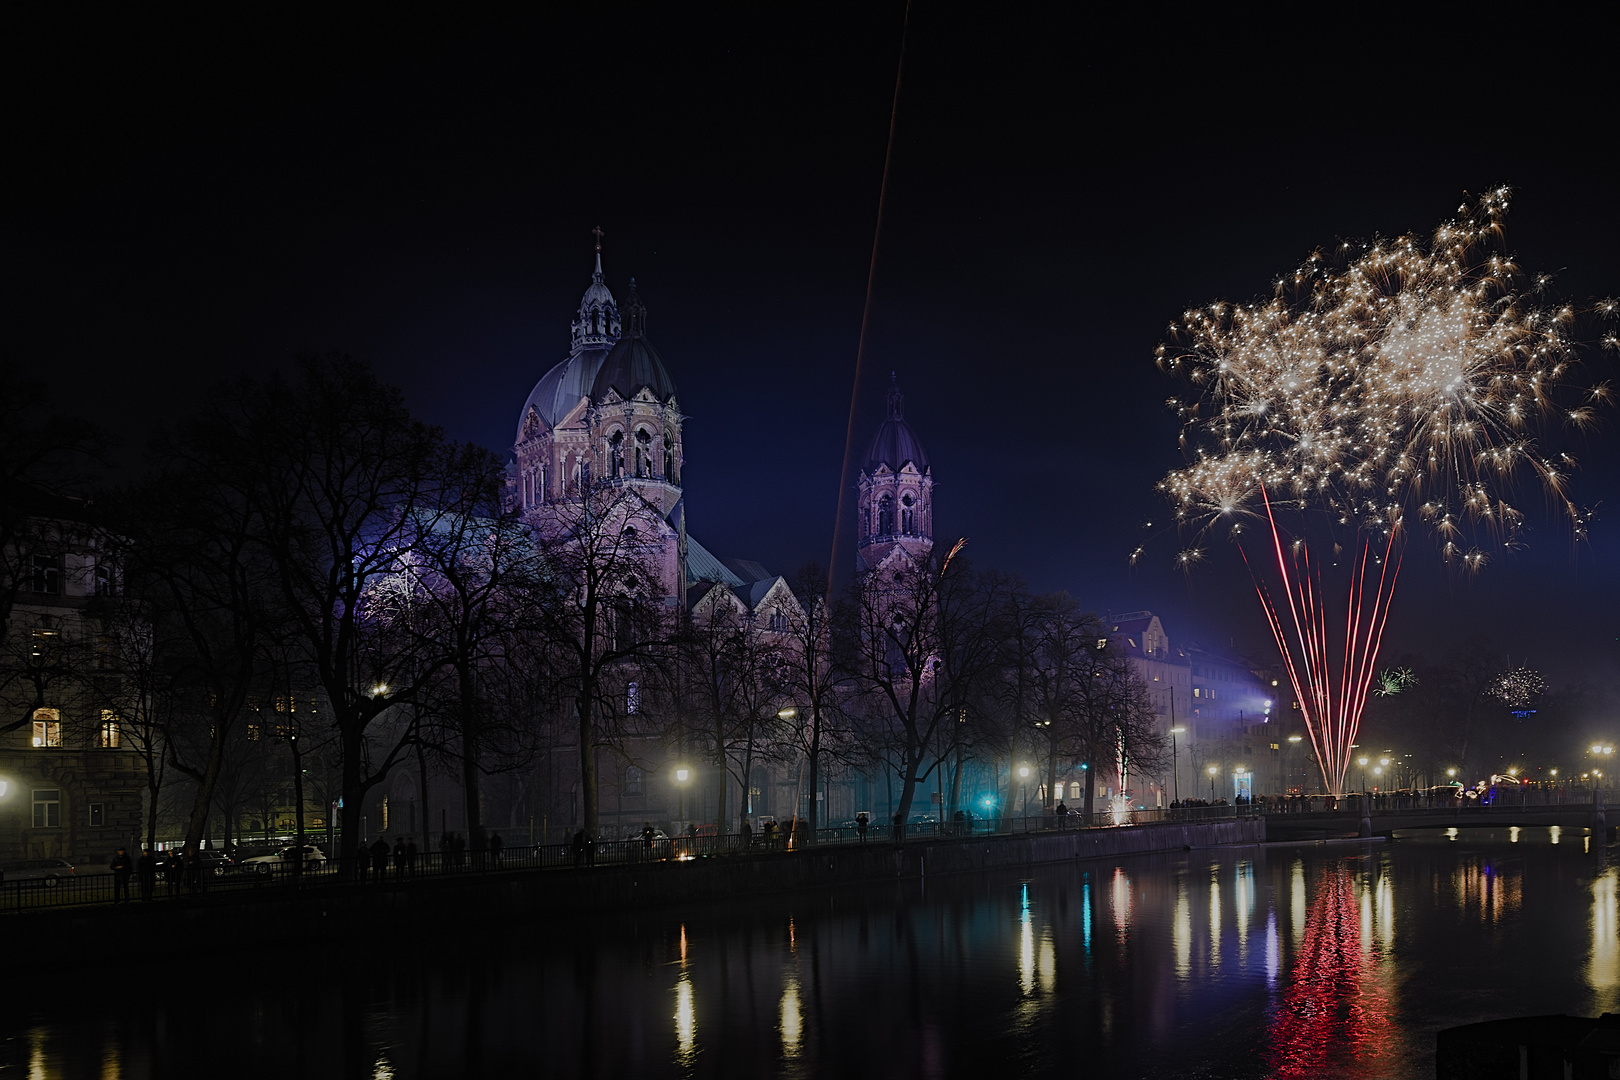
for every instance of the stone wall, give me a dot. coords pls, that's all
(357, 912)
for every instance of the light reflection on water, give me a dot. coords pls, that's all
(1337, 960)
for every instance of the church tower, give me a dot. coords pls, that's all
(606, 415)
(895, 493)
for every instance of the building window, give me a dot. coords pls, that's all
(109, 730)
(98, 815)
(385, 813)
(779, 620)
(104, 579)
(46, 576)
(1074, 789)
(616, 454)
(47, 808)
(45, 640)
(886, 516)
(632, 781)
(643, 453)
(47, 728)
(908, 516)
(632, 698)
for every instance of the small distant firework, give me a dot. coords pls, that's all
(1393, 383)
(1392, 681)
(1519, 689)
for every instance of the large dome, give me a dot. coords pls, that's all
(633, 364)
(561, 388)
(895, 443)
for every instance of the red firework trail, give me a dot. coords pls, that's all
(1332, 701)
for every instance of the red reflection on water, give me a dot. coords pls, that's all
(1333, 1010)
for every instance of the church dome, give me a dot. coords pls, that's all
(633, 364)
(895, 443)
(561, 388)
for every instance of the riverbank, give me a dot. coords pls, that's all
(353, 912)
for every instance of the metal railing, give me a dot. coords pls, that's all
(363, 871)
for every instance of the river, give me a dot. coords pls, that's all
(1290, 961)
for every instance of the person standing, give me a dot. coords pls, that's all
(174, 870)
(379, 859)
(121, 868)
(146, 869)
(495, 849)
(860, 826)
(410, 857)
(399, 857)
(579, 848)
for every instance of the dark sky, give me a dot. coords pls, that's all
(193, 198)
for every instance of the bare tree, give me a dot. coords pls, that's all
(600, 556)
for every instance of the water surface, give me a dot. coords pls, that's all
(1337, 960)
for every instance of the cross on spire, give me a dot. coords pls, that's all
(598, 233)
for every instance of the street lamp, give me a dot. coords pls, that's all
(1023, 787)
(682, 775)
(1294, 741)
(1175, 770)
(1213, 769)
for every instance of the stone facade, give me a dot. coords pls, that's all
(73, 787)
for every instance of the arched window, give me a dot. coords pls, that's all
(669, 457)
(616, 454)
(908, 516)
(643, 453)
(886, 516)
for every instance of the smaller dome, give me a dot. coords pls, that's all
(596, 325)
(895, 443)
(633, 363)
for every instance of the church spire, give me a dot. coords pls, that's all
(596, 326)
(636, 314)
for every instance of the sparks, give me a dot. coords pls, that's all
(1409, 375)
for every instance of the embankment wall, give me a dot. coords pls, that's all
(477, 901)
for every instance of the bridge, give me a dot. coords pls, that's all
(1326, 824)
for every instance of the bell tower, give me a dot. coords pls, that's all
(895, 492)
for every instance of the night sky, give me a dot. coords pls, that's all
(190, 199)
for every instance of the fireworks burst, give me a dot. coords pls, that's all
(1519, 689)
(1392, 681)
(1396, 382)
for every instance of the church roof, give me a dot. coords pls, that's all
(702, 566)
(895, 443)
(561, 388)
(633, 363)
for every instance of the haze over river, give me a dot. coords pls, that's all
(1338, 960)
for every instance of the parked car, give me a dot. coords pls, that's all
(314, 859)
(43, 872)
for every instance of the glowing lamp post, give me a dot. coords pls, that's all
(1175, 770)
(1023, 786)
(1213, 769)
(682, 775)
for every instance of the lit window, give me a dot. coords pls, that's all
(1074, 789)
(104, 579)
(1195, 692)
(47, 808)
(632, 698)
(109, 730)
(632, 781)
(47, 728)
(385, 813)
